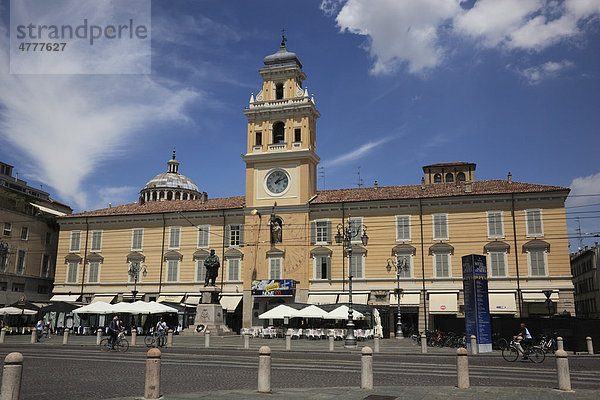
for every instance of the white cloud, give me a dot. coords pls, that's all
(115, 196)
(413, 32)
(357, 153)
(584, 197)
(547, 70)
(584, 190)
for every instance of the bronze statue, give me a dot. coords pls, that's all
(275, 224)
(212, 268)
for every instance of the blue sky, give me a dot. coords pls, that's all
(512, 85)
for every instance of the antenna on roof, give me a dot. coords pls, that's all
(359, 182)
(579, 234)
(322, 176)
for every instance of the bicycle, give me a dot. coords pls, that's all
(511, 353)
(44, 336)
(498, 342)
(152, 340)
(121, 344)
(548, 344)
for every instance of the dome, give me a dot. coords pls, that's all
(170, 180)
(282, 57)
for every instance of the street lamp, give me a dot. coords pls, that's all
(134, 273)
(344, 236)
(399, 266)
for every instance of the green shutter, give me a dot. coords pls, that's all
(328, 267)
(313, 232)
(227, 236)
(241, 235)
(329, 238)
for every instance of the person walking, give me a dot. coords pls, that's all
(39, 329)
(161, 330)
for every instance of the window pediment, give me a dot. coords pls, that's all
(200, 254)
(173, 255)
(536, 244)
(441, 248)
(72, 258)
(320, 251)
(496, 245)
(135, 256)
(95, 257)
(275, 252)
(234, 253)
(403, 249)
(358, 250)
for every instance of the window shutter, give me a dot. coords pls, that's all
(227, 238)
(329, 240)
(241, 235)
(328, 267)
(313, 232)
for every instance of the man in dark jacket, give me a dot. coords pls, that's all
(113, 329)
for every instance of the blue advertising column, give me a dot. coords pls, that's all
(477, 307)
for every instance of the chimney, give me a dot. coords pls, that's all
(422, 183)
(203, 197)
(109, 205)
(509, 177)
(375, 185)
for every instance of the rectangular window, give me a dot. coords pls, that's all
(7, 228)
(43, 290)
(200, 270)
(96, 241)
(18, 287)
(48, 238)
(440, 227)
(233, 269)
(172, 270)
(45, 265)
(533, 219)
(4, 263)
(497, 264)
(297, 135)
(442, 265)
(321, 232)
(538, 262)
(75, 241)
(356, 265)
(20, 262)
(402, 228)
(495, 224)
(137, 239)
(258, 141)
(275, 268)
(72, 268)
(356, 229)
(203, 236)
(24, 233)
(174, 237)
(94, 272)
(235, 235)
(322, 267)
(3, 286)
(405, 261)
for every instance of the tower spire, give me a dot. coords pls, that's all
(283, 38)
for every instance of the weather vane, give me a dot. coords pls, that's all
(283, 39)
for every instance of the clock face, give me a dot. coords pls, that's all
(277, 182)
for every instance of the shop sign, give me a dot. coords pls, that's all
(273, 288)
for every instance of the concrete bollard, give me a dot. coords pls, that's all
(264, 369)
(559, 343)
(331, 340)
(11, 377)
(133, 337)
(66, 336)
(2, 335)
(170, 338)
(562, 370)
(33, 336)
(288, 341)
(207, 339)
(423, 343)
(98, 336)
(462, 368)
(473, 344)
(152, 388)
(366, 376)
(376, 344)
(246, 341)
(590, 345)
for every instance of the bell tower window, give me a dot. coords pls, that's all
(437, 178)
(449, 177)
(279, 91)
(278, 132)
(460, 177)
(258, 140)
(297, 135)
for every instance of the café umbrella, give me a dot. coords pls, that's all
(16, 311)
(342, 313)
(280, 312)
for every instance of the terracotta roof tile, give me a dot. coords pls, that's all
(430, 191)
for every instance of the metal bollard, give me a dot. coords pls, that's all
(366, 376)
(590, 345)
(559, 343)
(133, 337)
(170, 338)
(376, 343)
(331, 340)
(152, 388)
(562, 370)
(98, 336)
(207, 339)
(473, 344)
(66, 336)
(246, 341)
(2, 335)
(423, 343)
(11, 377)
(33, 336)
(462, 368)
(288, 341)
(264, 369)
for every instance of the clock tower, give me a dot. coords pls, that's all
(281, 163)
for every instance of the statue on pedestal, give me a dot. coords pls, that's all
(212, 268)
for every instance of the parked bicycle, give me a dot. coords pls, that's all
(152, 340)
(547, 343)
(534, 353)
(121, 344)
(498, 342)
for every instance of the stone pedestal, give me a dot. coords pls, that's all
(209, 315)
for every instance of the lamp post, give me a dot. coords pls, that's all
(344, 236)
(134, 273)
(399, 266)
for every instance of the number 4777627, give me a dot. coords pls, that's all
(27, 46)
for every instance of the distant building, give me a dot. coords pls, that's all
(28, 240)
(584, 267)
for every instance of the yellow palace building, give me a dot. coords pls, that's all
(277, 243)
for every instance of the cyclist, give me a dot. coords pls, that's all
(526, 340)
(39, 329)
(161, 329)
(113, 330)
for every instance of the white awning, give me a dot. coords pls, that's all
(358, 298)
(443, 303)
(406, 299)
(170, 299)
(502, 303)
(107, 298)
(48, 210)
(230, 303)
(538, 297)
(65, 297)
(322, 299)
(195, 300)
